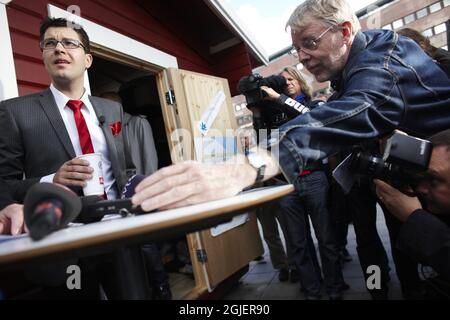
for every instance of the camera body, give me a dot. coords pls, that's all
(405, 157)
(250, 87)
(271, 115)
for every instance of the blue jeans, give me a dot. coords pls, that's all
(310, 198)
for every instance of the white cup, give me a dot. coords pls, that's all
(96, 185)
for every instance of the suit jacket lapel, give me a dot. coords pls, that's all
(103, 110)
(50, 108)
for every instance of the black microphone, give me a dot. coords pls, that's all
(94, 208)
(49, 207)
(130, 187)
(101, 120)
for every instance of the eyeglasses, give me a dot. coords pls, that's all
(309, 45)
(51, 44)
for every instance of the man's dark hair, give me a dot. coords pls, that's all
(63, 23)
(441, 139)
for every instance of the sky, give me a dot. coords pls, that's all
(266, 19)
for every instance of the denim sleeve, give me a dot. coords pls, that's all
(370, 105)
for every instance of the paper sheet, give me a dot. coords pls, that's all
(211, 112)
(344, 176)
(224, 227)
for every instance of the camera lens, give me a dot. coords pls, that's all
(368, 164)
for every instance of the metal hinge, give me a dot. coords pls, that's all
(170, 97)
(202, 257)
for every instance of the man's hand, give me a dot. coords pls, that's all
(398, 203)
(74, 173)
(11, 219)
(271, 94)
(191, 182)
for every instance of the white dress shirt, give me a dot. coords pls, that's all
(97, 136)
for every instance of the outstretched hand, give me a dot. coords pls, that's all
(190, 183)
(11, 219)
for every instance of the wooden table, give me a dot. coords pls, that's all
(88, 239)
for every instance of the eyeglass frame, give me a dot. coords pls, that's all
(80, 44)
(296, 51)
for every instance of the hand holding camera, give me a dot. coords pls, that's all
(252, 88)
(271, 94)
(397, 202)
(265, 98)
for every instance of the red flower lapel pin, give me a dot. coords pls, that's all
(116, 128)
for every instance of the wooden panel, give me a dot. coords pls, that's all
(201, 280)
(26, 88)
(31, 72)
(199, 91)
(189, 65)
(232, 250)
(177, 114)
(23, 20)
(22, 46)
(234, 64)
(194, 93)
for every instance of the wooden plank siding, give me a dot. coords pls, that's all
(151, 22)
(233, 63)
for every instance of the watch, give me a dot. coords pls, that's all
(258, 163)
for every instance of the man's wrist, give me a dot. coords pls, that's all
(243, 171)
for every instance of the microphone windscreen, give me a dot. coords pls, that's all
(86, 215)
(41, 192)
(130, 188)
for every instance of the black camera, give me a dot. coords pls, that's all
(270, 115)
(405, 158)
(250, 87)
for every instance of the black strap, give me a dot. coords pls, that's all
(129, 165)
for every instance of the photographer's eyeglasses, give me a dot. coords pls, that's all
(309, 45)
(51, 44)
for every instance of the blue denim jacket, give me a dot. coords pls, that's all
(388, 83)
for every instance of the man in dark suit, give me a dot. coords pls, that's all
(40, 133)
(43, 133)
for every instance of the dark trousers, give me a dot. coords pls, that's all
(340, 213)
(362, 203)
(120, 274)
(268, 214)
(94, 271)
(310, 199)
(154, 265)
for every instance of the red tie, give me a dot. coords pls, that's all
(83, 131)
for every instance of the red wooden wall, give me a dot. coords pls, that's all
(149, 24)
(233, 64)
